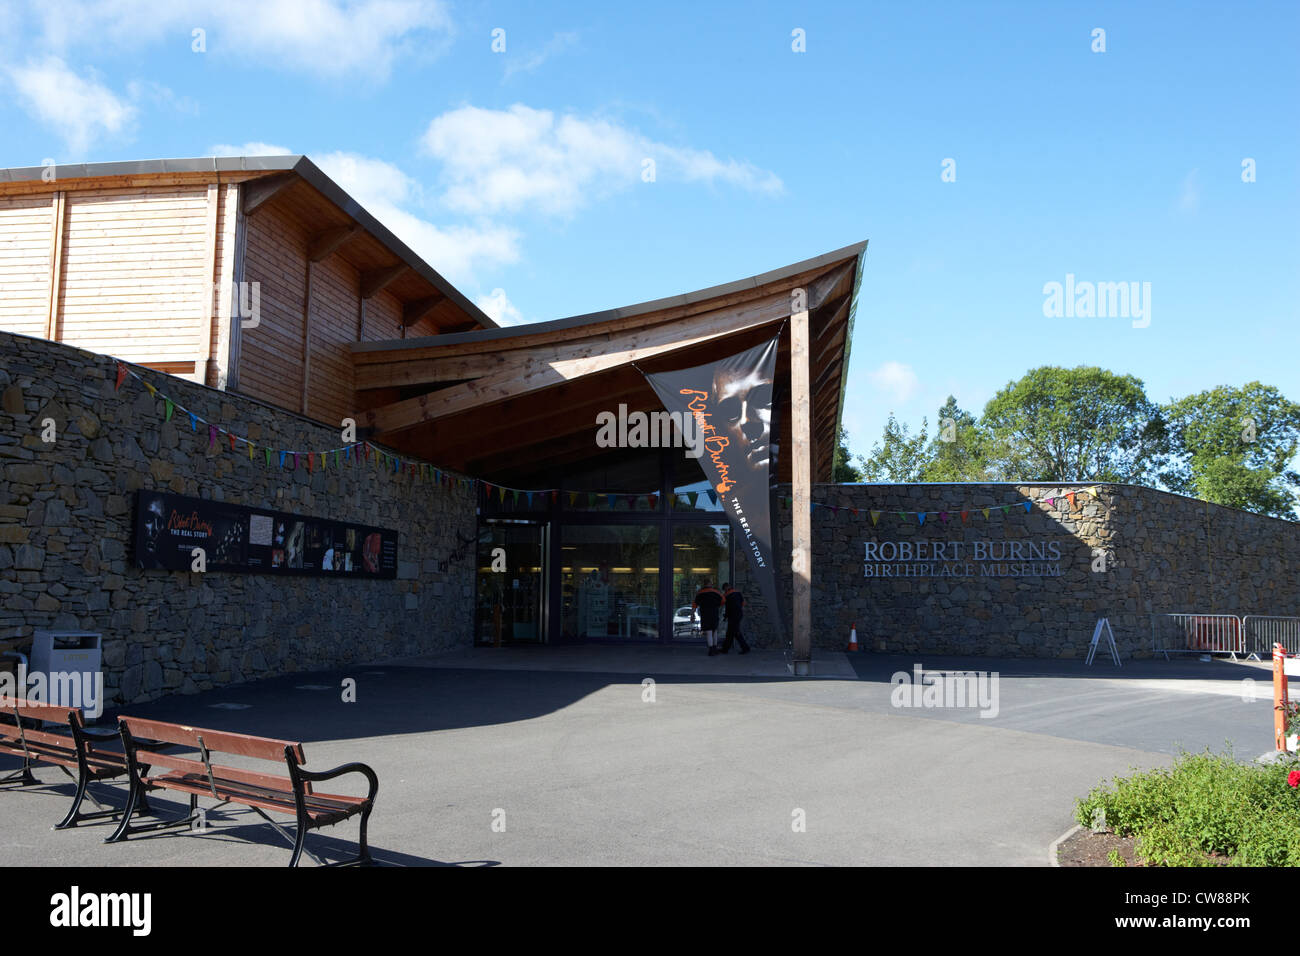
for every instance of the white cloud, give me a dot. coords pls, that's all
(255, 148)
(323, 37)
(499, 308)
(161, 96)
(526, 64)
(457, 251)
(510, 160)
(80, 108)
(899, 381)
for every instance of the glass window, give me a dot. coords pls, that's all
(509, 601)
(701, 555)
(609, 582)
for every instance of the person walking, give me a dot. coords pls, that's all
(733, 611)
(708, 601)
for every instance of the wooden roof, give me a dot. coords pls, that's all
(517, 405)
(337, 223)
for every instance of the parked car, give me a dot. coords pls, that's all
(686, 622)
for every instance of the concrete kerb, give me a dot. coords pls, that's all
(1054, 850)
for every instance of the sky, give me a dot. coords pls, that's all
(985, 151)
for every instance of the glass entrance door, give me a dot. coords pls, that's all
(701, 555)
(609, 582)
(511, 584)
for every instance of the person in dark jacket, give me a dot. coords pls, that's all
(733, 611)
(708, 601)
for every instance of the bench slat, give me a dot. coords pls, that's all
(55, 713)
(188, 765)
(10, 732)
(318, 805)
(217, 741)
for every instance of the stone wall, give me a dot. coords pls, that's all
(1164, 553)
(66, 513)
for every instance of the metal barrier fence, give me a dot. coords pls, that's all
(1197, 634)
(1263, 631)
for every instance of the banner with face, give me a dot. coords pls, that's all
(731, 402)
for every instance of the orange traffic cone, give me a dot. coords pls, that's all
(853, 637)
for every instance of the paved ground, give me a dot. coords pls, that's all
(564, 748)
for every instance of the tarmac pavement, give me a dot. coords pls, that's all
(532, 757)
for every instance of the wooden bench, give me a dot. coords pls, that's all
(21, 735)
(198, 776)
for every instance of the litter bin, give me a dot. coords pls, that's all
(71, 662)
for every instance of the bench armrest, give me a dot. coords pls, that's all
(315, 777)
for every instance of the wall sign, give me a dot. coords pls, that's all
(256, 540)
(963, 559)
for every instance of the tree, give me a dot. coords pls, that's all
(842, 469)
(898, 456)
(957, 452)
(1234, 446)
(1079, 424)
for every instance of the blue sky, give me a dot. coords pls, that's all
(519, 174)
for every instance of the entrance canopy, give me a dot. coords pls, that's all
(518, 405)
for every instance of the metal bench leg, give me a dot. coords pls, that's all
(364, 856)
(298, 846)
(124, 827)
(71, 819)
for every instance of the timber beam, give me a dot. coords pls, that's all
(375, 281)
(256, 193)
(324, 244)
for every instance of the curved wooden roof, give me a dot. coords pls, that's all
(514, 404)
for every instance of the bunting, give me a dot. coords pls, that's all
(365, 452)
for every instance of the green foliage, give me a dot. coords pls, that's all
(899, 456)
(842, 468)
(1206, 809)
(1234, 446)
(1079, 424)
(957, 451)
(1231, 446)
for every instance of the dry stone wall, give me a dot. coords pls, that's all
(1028, 583)
(66, 519)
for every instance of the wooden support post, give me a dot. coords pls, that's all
(55, 275)
(801, 479)
(235, 208)
(206, 370)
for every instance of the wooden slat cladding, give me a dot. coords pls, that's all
(334, 327)
(270, 359)
(134, 273)
(25, 227)
(271, 355)
(142, 267)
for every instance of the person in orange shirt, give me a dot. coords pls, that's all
(708, 601)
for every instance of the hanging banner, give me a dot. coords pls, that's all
(731, 402)
(256, 540)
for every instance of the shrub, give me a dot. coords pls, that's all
(1204, 810)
